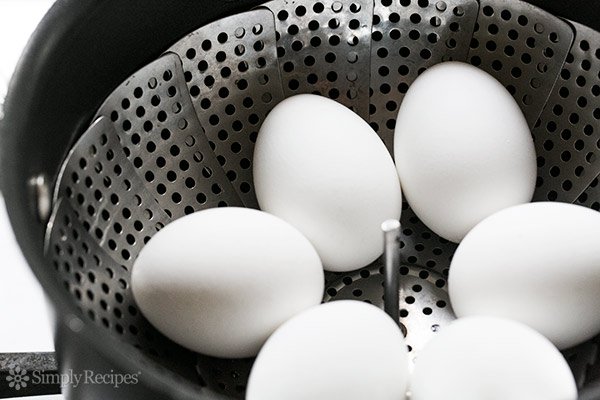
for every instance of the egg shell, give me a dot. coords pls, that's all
(340, 350)
(536, 263)
(463, 149)
(488, 358)
(220, 281)
(322, 168)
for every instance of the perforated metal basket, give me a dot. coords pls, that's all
(177, 136)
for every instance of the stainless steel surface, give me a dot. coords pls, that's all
(591, 197)
(523, 47)
(124, 181)
(101, 185)
(424, 303)
(581, 359)
(233, 78)
(155, 120)
(391, 257)
(566, 134)
(41, 197)
(99, 285)
(420, 246)
(324, 48)
(224, 376)
(407, 38)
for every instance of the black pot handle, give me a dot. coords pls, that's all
(44, 369)
(28, 374)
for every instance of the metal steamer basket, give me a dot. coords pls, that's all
(124, 116)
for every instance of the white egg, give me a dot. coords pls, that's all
(491, 358)
(346, 350)
(536, 263)
(463, 149)
(320, 167)
(220, 281)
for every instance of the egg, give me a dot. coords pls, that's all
(320, 167)
(536, 263)
(463, 149)
(478, 358)
(220, 281)
(340, 350)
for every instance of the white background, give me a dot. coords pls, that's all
(24, 316)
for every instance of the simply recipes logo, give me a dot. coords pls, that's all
(19, 378)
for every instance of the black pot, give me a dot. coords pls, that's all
(80, 52)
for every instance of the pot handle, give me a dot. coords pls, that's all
(28, 374)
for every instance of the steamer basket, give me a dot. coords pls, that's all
(124, 116)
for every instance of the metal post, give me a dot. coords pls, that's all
(391, 235)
